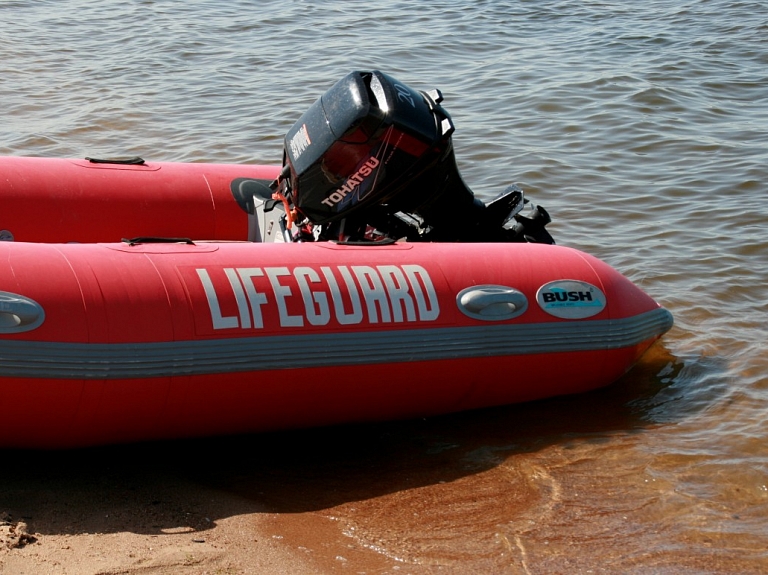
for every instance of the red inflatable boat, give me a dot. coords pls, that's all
(103, 343)
(359, 281)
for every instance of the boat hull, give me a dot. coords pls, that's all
(110, 343)
(72, 200)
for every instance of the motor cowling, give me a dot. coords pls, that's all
(371, 147)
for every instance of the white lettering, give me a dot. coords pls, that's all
(300, 141)
(315, 303)
(428, 307)
(237, 289)
(352, 182)
(344, 318)
(281, 294)
(255, 299)
(399, 295)
(219, 321)
(404, 94)
(346, 295)
(373, 293)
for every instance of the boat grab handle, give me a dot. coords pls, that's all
(156, 240)
(134, 161)
(18, 313)
(491, 302)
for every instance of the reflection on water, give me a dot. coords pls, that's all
(640, 128)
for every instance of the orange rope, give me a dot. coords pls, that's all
(290, 216)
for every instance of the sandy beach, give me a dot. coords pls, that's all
(178, 507)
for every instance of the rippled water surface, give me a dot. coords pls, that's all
(641, 127)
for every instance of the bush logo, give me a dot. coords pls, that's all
(571, 299)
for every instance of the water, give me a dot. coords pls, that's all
(643, 129)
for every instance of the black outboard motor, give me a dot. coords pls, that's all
(373, 158)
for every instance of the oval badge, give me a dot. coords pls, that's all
(571, 299)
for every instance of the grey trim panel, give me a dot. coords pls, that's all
(165, 359)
